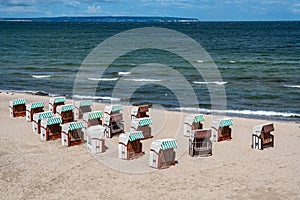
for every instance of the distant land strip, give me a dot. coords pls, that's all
(102, 19)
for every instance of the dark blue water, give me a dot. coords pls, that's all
(259, 63)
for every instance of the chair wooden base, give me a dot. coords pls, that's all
(224, 138)
(224, 133)
(165, 165)
(53, 133)
(19, 111)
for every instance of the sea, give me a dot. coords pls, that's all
(259, 63)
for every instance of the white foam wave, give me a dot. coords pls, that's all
(36, 92)
(213, 82)
(232, 61)
(96, 98)
(241, 112)
(143, 80)
(40, 76)
(292, 86)
(103, 79)
(200, 61)
(124, 73)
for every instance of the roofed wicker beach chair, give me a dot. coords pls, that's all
(66, 112)
(200, 143)
(72, 134)
(36, 122)
(113, 120)
(50, 128)
(95, 139)
(262, 137)
(221, 129)
(32, 108)
(17, 108)
(82, 107)
(192, 122)
(130, 146)
(139, 111)
(162, 154)
(142, 124)
(54, 102)
(92, 118)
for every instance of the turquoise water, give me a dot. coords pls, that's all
(259, 63)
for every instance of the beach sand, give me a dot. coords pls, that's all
(35, 169)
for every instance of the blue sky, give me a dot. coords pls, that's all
(204, 10)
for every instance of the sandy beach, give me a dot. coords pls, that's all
(35, 169)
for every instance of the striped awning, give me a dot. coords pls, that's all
(168, 144)
(116, 108)
(226, 122)
(75, 125)
(45, 115)
(67, 108)
(95, 115)
(19, 102)
(136, 136)
(86, 103)
(37, 105)
(54, 120)
(59, 99)
(199, 118)
(144, 122)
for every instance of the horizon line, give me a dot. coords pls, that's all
(171, 17)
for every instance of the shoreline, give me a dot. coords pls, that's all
(31, 168)
(276, 118)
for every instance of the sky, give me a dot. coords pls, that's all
(204, 10)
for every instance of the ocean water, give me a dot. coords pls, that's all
(259, 63)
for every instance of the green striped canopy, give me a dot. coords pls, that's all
(19, 102)
(226, 122)
(95, 115)
(136, 136)
(86, 103)
(144, 122)
(199, 118)
(116, 108)
(67, 108)
(59, 99)
(45, 115)
(54, 120)
(168, 144)
(37, 105)
(75, 125)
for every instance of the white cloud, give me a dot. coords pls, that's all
(35, 2)
(296, 8)
(93, 9)
(17, 2)
(297, 4)
(72, 3)
(167, 3)
(23, 9)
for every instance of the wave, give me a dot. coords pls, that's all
(212, 82)
(292, 86)
(103, 79)
(124, 73)
(143, 80)
(200, 61)
(241, 112)
(232, 61)
(96, 98)
(41, 76)
(33, 92)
